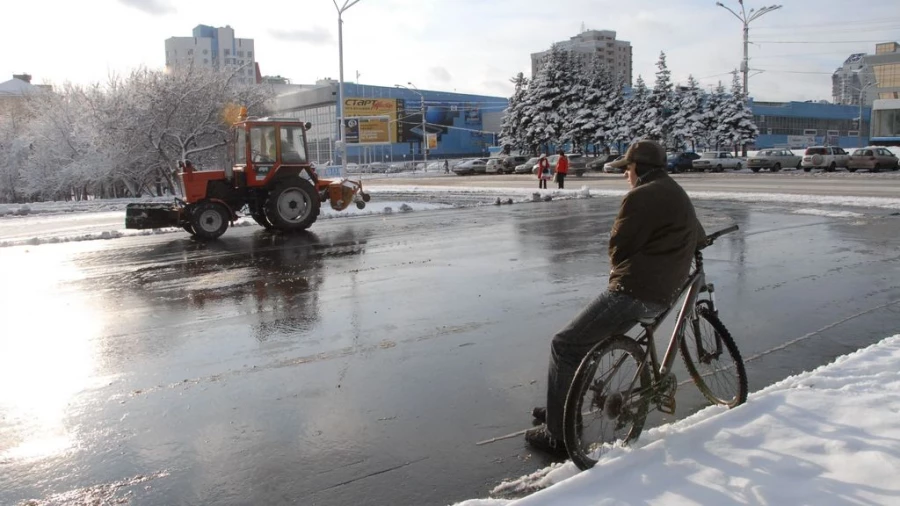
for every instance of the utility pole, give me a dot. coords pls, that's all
(746, 18)
(340, 11)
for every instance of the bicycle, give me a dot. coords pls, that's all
(596, 403)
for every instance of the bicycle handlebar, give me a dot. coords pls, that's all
(715, 235)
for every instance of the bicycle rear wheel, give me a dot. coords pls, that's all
(713, 360)
(608, 400)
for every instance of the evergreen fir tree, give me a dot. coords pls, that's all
(736, 126)
(542, 115)
(655, 114)
(512, 131)
(633, 125)
(686, 121)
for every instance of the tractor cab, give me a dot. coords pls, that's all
(260, 147)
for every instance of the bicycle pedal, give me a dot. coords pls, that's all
(665, 401)
(667, 405)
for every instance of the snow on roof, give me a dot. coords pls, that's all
(16, 87)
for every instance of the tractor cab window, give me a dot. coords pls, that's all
(240, 147)
(262, 144)
(292, 145)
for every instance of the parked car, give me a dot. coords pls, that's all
(773, 159)
(873, 158)
(717, 161)
(680, 162)
(577, 164)
(475, 166)
(493, 166)
(610, 169)
(597, 164)
(824, 157)
(510, 163)
(527, 167)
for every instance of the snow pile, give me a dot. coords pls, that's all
(790, 198)
(54, 237)
(832, 214)
(800, 441)
(82, 206)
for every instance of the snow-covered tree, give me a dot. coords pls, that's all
(736, 126)
(546, 101)
(587, 102)
(123, 137)
(512, 130)
(612, 104)
(708, 125)
(655, 113)
(688, 113)
(632, 126)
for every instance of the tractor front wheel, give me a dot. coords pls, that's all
(209, 220)
(293, 205)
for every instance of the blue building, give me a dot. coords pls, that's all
(803, 124)
(461, 124)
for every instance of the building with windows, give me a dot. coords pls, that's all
(213, 48)
(868, 77)
(883, 71)
(803, 124)
(846, 83)
(461, 124)
(615, 53)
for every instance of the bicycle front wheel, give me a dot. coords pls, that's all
(608, 400)
(713, 360)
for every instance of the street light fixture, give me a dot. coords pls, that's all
(424, 132)
(746, 19)
(340, 11)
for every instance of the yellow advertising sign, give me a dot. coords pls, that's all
(432, 141)
(356, 107)
(367, 130)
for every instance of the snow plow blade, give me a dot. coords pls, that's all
(143, 216)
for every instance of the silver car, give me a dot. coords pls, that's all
(774, 160)
(527, 167)
(872, 158)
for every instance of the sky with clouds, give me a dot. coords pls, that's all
(471, 46)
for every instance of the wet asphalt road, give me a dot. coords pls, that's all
(360, 363)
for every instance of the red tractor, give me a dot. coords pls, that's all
(269, 173)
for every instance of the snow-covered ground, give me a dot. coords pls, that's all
(54, 222)
(829, 436)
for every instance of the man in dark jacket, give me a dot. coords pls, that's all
(651, 248)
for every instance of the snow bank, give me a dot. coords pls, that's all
(83, 206)
(800, 441)
(373, 208)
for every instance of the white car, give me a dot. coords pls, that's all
(717, 161)
(824, 157)
(494, 166)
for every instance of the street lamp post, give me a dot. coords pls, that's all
(745, 19)
(424, 132)
(340, 11)
(861, 102)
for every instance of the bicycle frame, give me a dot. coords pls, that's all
(695, 284)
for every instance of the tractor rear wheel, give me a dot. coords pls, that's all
(293, 205)
(209, 220)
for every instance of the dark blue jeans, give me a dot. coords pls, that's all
(611, 313)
